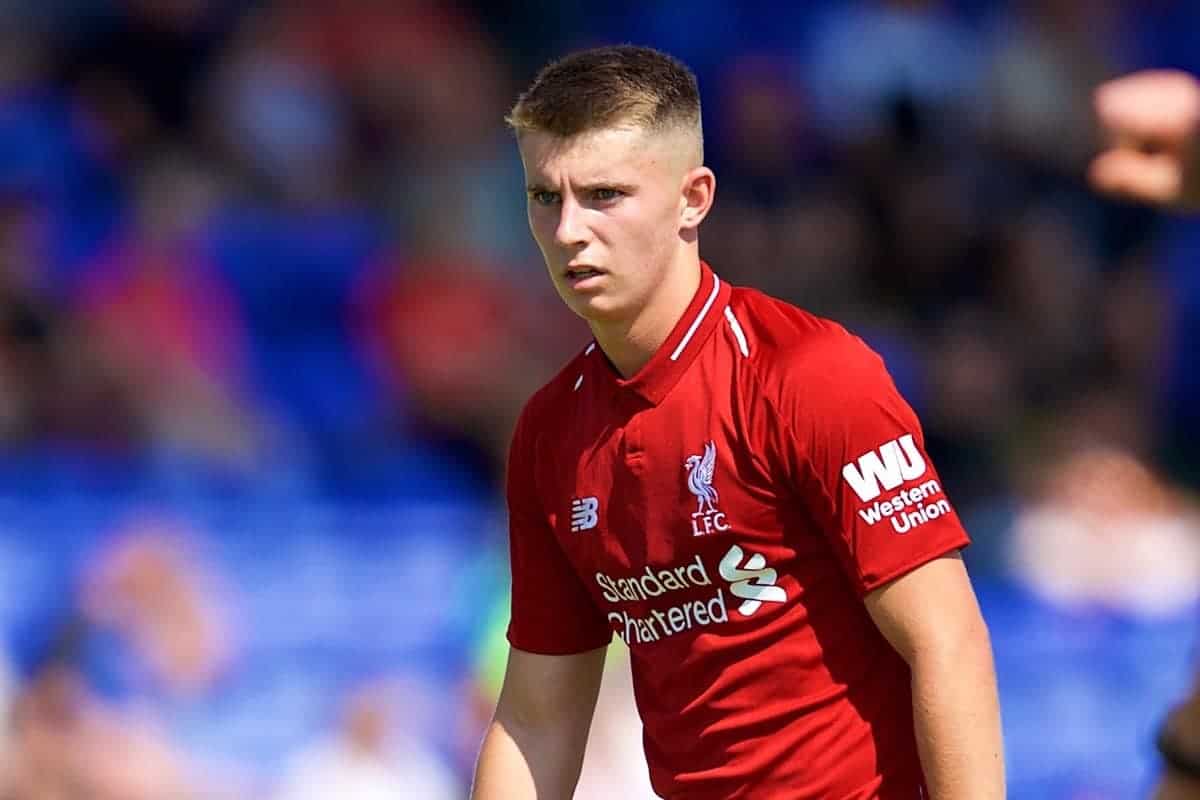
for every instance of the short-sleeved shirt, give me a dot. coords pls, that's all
(724, 512)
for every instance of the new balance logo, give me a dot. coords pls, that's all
(585, 513)
(893, 464)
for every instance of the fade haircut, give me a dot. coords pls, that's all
(607, 86)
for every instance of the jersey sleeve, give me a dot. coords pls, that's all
(855, 449)
(552, 611)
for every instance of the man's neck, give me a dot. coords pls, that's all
(630, 344)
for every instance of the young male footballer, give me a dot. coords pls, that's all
(731, 485)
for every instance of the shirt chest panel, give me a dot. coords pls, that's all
(671, 483)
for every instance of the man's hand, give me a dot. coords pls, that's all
(1152, 121)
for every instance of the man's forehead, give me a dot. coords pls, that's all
(626, 149)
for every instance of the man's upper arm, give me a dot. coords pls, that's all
(856, 449)
(548, 692)
(928, 611)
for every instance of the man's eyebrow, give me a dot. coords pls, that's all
(590, 186)
(606, 184)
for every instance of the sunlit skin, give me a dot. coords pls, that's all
(1152, 121)
(615, 213)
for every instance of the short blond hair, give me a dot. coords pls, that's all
(607, 86)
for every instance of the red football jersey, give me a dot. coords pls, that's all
(724, 512)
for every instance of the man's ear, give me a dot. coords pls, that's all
(696, 196)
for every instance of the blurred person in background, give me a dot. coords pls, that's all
(369, 756)
(611, 144)
(142, 632)
(437, 319)
(1036, 85)
(149, 586)
(66, 743)
(156, 308)
(1152, 121)
(58, 383)
(32, 326)
(865, 58)
(1096, 606)
(1100, 527)
(458, 345)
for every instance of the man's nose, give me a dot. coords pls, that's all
(571, 230)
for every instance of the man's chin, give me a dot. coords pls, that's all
(595, 307)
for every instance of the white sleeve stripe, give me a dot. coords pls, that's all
(737, 331)
(590, 348)
(687, 337)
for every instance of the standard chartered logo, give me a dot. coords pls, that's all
(752, 581)
(747, 575)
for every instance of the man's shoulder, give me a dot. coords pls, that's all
(810, 368)
(795, 342)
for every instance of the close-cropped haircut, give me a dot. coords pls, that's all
(605, 86)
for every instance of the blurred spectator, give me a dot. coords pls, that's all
(431, 92)
(1036, 92)
(56, 385)
(88, 719)
(973, 405)
(66, 743)
(142, 61)
(156, 309)
(1136, 318)
(463, 344)
(866, 58)
(1101, 528)
(1048, 285)
(30, 323)
(148, 588)
(278, 118)
(762, 137)
(52, 148)
(367, 757)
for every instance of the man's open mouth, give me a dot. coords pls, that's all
(581, 273)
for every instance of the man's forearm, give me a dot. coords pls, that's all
(522, 766)
(956, 711)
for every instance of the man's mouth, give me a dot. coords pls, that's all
(581, 273)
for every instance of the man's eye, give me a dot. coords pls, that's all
(605, 195)
(544, 198)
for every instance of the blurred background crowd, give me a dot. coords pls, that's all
(269, 308)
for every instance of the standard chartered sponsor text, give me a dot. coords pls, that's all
(907, 508)
(660, 623)
(748, 577)
(652, 583)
